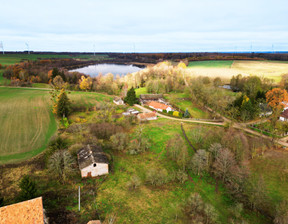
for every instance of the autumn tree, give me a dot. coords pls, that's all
(276, 97)
(85, 83)
(200, 162)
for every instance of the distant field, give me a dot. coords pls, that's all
(9, 59)
(226, 69)
(27, 122)
(211, 64)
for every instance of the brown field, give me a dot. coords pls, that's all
(267, 69)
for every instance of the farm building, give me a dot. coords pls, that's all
(130, 111)
(92, 161)
(25, 212)
(145, 98)
(284, 116)
(147, 116)
(118, 101)
(159, 106)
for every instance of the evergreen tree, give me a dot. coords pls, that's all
(186, 114)
(63, 105)
(131, 97)
(28, 188)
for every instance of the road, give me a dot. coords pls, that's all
(239, 126)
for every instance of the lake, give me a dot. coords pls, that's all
(94, 70)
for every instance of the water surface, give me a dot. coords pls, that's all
(95, 70)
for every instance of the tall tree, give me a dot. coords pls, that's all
(62, 106)
(131, 98)
(276, 97)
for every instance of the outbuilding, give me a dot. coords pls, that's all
(92, 161)
(160, 106)
(118, 101)
(147, 116)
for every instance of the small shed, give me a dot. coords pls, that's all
(118, 101)
(92, 161)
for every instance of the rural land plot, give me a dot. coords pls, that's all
(26, 121)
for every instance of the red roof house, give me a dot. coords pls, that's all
(26, 212)
(159, 106)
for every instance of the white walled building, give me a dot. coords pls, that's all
(92, 161)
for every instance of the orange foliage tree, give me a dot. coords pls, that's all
(276, 97)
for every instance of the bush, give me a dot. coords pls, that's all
(119, 141)
(134, 182)
(165, 111)
(175, 113)
(170, 113)
(28, 188)
(157, 177)
(104, 130)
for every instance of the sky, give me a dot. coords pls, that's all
(144, 26)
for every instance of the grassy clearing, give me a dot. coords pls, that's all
(140, 91)
(181, 100)
(211, 64)
(273, 167)
(158, 204)
(267, 69)
(9, 59)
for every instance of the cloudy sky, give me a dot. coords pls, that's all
(144, 26)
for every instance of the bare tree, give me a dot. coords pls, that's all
(200, 161)
(223, 162)
(61, 164)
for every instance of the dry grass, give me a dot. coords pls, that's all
(267, 69)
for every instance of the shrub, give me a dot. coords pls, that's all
(175, 113)
(119, 141)
(104, 130)
(28, 188)
(165, 111)
(134, 182)
(157, 177)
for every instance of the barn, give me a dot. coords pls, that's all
(92, 161)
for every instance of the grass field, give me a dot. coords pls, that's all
(27, 122)
(226, 69)
(150, 204)
(273, 167)
(210, 64)
(9, 59)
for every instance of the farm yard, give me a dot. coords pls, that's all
(226, 69)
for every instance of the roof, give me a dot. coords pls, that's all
(157, 105)
(91, 154)
(117, 99)
(26, 212)
(144, 116)
(94, 222)
(151, 96)
(284, 114)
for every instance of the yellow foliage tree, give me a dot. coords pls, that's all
(85, 83)
(181, 65)
(176, 114)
